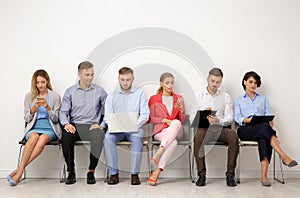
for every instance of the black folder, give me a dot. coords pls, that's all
(200, 120)
(259, 119)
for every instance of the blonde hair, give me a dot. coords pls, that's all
(34, 90)
(161, 79)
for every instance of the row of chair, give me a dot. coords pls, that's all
(147, 142)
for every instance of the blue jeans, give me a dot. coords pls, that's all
(110, 148)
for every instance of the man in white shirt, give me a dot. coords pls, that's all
(212, 98)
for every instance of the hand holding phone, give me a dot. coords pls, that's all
(40, 101)
(38, 98)
(179, 104)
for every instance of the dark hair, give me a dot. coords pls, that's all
(216, 72)
(249, 75)
(34, 90)
(85, 65)
(125, 70)
(162, 78)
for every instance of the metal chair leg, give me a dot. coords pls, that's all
(274, 169)
(62, 165)
(152, 153)
(106, 174)
(194, 169)
(19, 159)
(238, 180)
(190, 164)
(193, 166)
(148, 160)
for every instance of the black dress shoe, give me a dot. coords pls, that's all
(230, 180)
(201, 180)
(114, 179)
(135, 180)
(90, 179)
(71, 178)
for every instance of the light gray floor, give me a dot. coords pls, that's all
(165, 188)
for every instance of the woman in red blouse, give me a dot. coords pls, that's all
(166, 113)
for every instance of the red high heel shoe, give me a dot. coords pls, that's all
(150, 181)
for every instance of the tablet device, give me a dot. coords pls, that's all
(200, 120)
(258, 119)
(122, 122)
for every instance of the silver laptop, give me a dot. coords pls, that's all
(122, 122)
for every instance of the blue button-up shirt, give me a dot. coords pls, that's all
(133, 101)
(82, 106)
(245, 107)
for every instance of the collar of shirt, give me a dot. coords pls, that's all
(207, 93)
(132, 90)
(77, 86)
(246, 96)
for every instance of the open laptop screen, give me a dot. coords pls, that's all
(122, 122)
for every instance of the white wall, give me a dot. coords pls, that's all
(238, 36)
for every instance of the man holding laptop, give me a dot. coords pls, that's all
(217, 101)
(126, 111)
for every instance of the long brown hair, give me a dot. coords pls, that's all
(161, 79)
(34, 90)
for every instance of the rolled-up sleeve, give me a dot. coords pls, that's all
(238, 116)
(108, 109)
(144, 110)
(228, 112)
(268, 109)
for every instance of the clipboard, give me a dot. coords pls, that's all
(259, 119)
(200, 120)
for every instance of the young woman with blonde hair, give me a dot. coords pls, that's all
(41, 108)
(167, 114)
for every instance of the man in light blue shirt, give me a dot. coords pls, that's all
(80, 115)
(124, 99)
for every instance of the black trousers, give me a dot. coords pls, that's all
(95, 136)
(261, 133)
